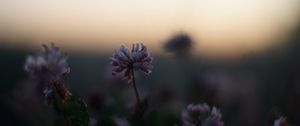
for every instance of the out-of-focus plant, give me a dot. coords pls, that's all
(124, 63)
(201, 115)
(281, 121)
(48, 68)
(180, 44)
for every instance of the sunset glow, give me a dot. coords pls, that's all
(219, 27)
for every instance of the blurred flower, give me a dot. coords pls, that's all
(49, 65)
(124, 62)
(93, 122)
(281, 121)
(48, 68)
(120, 121)
(179, 44)
(195, 114)
(201, 115)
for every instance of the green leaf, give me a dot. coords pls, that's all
(74, 111)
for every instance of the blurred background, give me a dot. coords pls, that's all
(242, 56)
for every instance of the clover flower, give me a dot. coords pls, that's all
(48, 67)
(118, 121)
(180, 44)
(125, 62)
(281, 121)
(201, 115)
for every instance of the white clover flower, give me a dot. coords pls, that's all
(120, 121)
(48, 68)
(124, 62)
(281, 121)
(49, 65)
(201, 115)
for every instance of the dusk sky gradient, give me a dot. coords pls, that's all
(219, 27)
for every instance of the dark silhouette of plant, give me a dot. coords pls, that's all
(48, 68)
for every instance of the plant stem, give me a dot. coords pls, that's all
(135, 88)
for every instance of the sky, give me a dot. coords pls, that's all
(218, 27)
